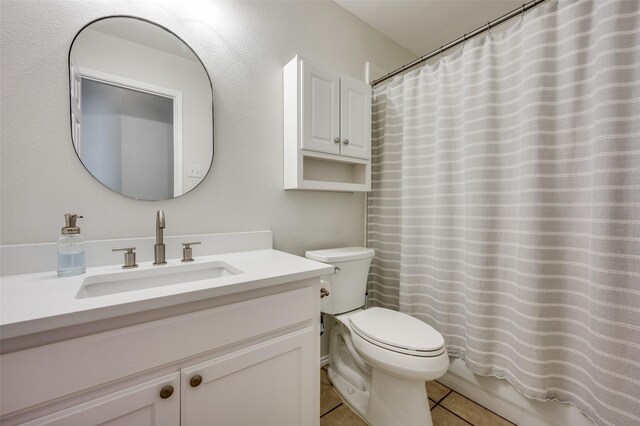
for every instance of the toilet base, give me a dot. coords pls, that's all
(393, 401)
(357, 400)
(397, 401)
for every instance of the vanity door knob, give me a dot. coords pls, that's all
(336, 140)
(166, 392)
(323, 292)
(346, 141)
(195, 381)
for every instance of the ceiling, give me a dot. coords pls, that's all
(423, 26)
(142, 32)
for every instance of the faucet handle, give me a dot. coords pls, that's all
(187, 251)
(129, 257)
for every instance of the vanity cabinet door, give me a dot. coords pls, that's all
(155, 402)
(268, 384)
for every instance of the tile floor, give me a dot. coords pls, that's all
(448, 408)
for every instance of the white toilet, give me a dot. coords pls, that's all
(379, 359)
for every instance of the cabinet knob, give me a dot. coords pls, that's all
(166, 392)
(195, 381)
(323, 292)
(337, 140)
(346, 141)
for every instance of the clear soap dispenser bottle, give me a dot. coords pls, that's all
(71, 258)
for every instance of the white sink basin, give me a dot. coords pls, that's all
(153, 277)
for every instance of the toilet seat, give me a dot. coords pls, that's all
(397, 332)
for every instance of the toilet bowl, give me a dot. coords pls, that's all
(379, 359)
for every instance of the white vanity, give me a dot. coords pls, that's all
(235, 341)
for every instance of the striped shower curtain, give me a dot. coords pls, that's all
(505, 209)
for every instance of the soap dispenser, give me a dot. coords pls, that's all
(71, 258)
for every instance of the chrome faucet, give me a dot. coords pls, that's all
(158, 248)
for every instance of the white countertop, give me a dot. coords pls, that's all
(38, 302)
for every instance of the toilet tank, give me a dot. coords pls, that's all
(347, 286)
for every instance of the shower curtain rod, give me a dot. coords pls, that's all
(522, 9)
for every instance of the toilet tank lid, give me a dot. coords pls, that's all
(341, 254)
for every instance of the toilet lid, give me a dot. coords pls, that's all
(396, 330)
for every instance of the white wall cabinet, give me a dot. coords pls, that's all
(355, 118)
(245, 360)
(327, 129)
(320, 105)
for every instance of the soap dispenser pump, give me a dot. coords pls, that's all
(71, 257)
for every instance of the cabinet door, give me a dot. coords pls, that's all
(138, 405)
(320, 105)
(355, 118)
(268, 384)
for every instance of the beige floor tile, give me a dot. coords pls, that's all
(472, 412)
(436, 391)
(329, 399)
(431, 404)
(342, 416)
(442, 417)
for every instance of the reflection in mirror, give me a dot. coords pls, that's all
(141, 108)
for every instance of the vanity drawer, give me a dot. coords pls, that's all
(35, 376)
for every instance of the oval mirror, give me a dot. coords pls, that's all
(141, 108)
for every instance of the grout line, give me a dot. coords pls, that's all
(332, 409)
(444, 397)
(466, 421)
(507, 420)
(434, 405)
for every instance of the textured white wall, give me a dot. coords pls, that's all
(244, 46)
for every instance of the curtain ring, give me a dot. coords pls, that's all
(440, 53)
(489, 28)
(523, 5)
(464, 40)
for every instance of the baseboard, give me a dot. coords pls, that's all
(324, 360)
(503, 399)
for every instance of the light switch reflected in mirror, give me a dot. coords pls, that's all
(141, 108)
